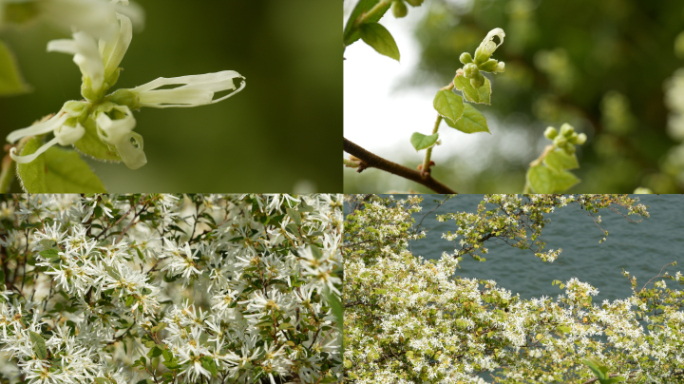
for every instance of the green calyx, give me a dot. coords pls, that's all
(125, 97)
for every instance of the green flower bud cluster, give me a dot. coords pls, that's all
(566, 139)
(483, 61)
(399, 8)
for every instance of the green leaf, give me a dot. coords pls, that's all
(420, 141)
(284, 326)
(564, 181)
(480, 95)
(38, 345)
(351, 33)
(564, 329)
(209, 364)
(540, 179)
(449, 105)
(11, 82)
(543, 179)
(613, 380)
(154, 352)
(472, 121)
(296, 216)
(380, 39)
(91, 145)
(599, 370)
(57, 171)
(50, 253)
(560, 160)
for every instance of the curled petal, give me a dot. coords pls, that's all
(495, 32)
(67, 135)
(119, 133)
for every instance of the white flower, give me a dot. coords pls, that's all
(97, 60)
(193, 91)
(65, 134)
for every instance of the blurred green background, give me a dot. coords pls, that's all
(602, 66)
(281, 133)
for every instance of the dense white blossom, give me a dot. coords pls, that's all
(201, 288)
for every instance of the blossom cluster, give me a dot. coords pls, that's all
(166, 288)
(409, 320)
(101, 125)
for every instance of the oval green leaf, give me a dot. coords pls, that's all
(544, 180)
(351, 33)
(472, 121)
(540, 179)
(11, 82)
(38, 345)
(420, 141)
(560, 160)
(57, 171)
(380, 39)
(449, 105)
(480, 95)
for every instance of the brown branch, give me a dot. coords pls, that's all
(371, 160)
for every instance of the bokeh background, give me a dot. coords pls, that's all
(277, 135)
(607, 67)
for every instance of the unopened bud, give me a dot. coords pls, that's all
(470, 70)
(415, 3)
(567, 130)
(501, 67)
(581, 139)
(399, 9)
(560, 141)
(551, 133)
(569, 149)
(466, 58)
(489, 65)
(477, 81)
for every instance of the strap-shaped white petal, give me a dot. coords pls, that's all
(193, 90)
(38, 129)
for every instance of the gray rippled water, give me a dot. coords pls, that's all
(641, 248)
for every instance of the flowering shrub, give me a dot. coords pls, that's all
(409, 320)
(167, 289)
(101, 125)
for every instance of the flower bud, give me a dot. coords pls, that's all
(488, 46)
(569, 149)
(470, 70)
(560, 141)
(415, 3)
(581, 139)
(573, 138)
(488, 66)
(466, 58)
(501, 67)
(567, 130)
(551, 133)
(399, 9)
(477, 81)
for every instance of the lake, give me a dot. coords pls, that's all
(641, 248)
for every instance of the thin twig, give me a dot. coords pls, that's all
(371, 160)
